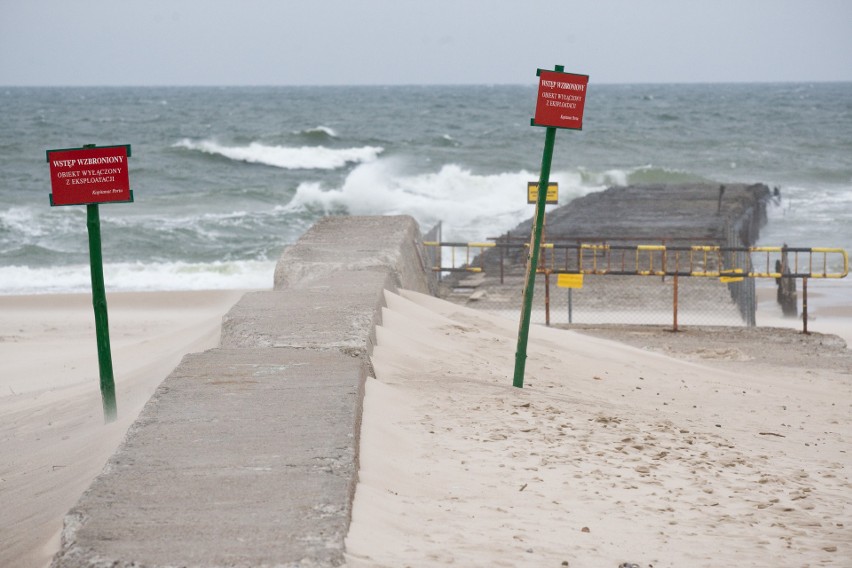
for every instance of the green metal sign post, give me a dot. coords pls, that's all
(93, 224)
(561, 99)
(88, 176)
(532, 259)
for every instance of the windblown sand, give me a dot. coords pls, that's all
(609, 454)
(53, 441)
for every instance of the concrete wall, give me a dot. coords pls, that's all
(247, 454)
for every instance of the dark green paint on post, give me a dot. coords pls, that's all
(96, 262)
(93, 224)
(532, 261)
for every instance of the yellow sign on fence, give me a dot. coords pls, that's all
(569, 281)
(552, 197)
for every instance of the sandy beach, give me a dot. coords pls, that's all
(666, 453)
(704, 448)
(53, 440)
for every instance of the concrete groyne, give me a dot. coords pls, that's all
(728, 216)
(246, 455)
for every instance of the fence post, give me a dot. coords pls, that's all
(674, 304)
(570, 307)
(547, 297)
(440, 256)
(502, 253)
(805, 305)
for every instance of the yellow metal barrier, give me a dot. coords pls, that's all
(796, 268)
(730, 264)
(466, 267)
(709, 261)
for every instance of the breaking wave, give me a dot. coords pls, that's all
(289, 158)
(471, 206)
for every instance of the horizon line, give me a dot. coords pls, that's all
(386, 85)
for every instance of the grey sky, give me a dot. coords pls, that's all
(333, 42)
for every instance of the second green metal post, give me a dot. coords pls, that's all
(532, 263)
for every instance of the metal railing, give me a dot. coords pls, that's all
(660, 260)
(734, 266)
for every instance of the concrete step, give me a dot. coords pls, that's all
(242, 457)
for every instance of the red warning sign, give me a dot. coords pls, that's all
(80, 176)
(561, 99)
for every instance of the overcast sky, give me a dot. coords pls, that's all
(369, 42)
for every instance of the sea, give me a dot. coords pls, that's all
(224, 178)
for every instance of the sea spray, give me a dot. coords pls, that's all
(471, 207)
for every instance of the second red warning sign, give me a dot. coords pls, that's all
(561, 99)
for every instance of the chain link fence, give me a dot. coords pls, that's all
(603, 299)
(619, 283)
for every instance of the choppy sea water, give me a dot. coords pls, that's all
(223, 178)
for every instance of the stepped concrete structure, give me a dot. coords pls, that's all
(247, 455)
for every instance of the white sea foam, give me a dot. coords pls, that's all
(304, 157)
(318, 130)
(471, 206)
(139, 277)
(31, 222)
(20, 221)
